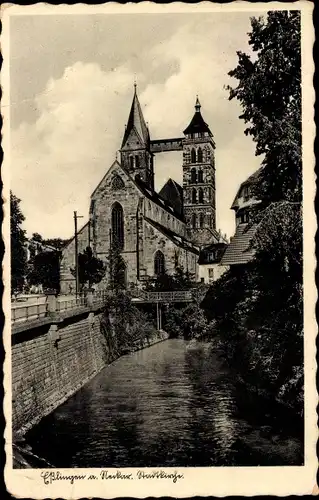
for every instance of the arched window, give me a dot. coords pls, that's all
(137, 161)
(200, 155)
(193, 176)
(131, 162)
(159, 263)
(201, 220)
(209, 220)
(117, 183)
(194, 195)
(200, 196)
(194, 220)
(193, 156)
(118, 225)
(200, 175)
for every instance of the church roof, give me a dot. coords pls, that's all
(197, 123)
(157, 198)
(173, 193)
(178, 240)
(136, 122)
(239, 250)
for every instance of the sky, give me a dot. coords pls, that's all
(71, 88)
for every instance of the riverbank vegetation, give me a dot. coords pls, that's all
(258, 308)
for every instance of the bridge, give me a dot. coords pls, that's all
(46, 305)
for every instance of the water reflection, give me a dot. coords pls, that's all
(170, 405)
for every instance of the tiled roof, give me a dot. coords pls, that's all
(174, 237)
(239, 251)
(172, 192)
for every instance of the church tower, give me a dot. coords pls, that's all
(136, 155)
(199, 180)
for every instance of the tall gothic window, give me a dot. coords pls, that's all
(118, 225)
(200, 175)
(201, 220)
(194, 221)
(193, 156)
(200, 155)
(131, 162)
(159, 263)
(117, 183)
(193, 176)
(137, 161)
(200, 196)
(194, 196)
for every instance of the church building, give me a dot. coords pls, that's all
(155, 232)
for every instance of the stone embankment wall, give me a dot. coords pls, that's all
(53, 359)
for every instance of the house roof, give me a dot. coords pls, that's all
(251, 180)
(238, 250)
(197, 123)
(172, 192)
(136, 121)
(174, 237)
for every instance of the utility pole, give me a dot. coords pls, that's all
(76, 217)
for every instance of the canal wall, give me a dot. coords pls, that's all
(55, 357)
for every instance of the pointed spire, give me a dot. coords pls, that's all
(197, 105)
(136, 121)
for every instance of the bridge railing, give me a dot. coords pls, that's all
(173, 296)
(29, 312)
(39, 310)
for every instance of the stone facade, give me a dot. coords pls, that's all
(177, 222)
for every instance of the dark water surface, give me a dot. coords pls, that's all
(173, 404)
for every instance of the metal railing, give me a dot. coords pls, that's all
(174, 296)
(30, 312)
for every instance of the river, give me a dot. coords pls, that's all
(173, 404)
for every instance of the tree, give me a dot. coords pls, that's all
(57, 243)
(180, 280)
(18, 241)
(45, 270)
(117, 268)
(91, 270)
(269, 91)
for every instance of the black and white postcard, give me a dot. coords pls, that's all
(158, 187)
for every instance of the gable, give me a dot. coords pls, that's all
(108, 181)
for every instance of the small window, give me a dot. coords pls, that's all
(211, 275)
(137, 161)
(200, 196)
(244, 218)
(131, 162)
(200, 176)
